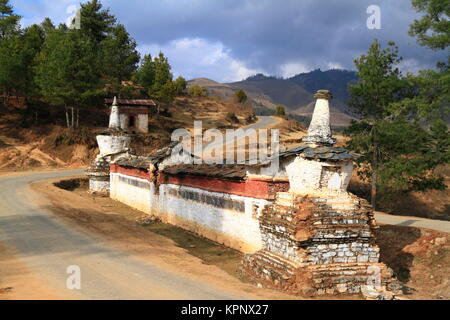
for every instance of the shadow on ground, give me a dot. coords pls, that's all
(391, 243)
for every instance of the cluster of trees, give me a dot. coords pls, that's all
(241, 96)
(402, 134)
(280, 110)
(156, 79)
(74, 68)
(197, 91)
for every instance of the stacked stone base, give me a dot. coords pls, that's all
(98, 173)
(267, 270)
(317, 245)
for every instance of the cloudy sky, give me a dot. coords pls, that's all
(228, 40)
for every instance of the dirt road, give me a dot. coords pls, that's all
(48, 246)
(438, 225)
(263, 122)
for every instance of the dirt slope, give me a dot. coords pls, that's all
(267, 92)
(40, 140)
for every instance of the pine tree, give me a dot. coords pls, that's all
(162, 71)
(120, 58)
(378, 86)
(181, 85)
(9, 22)
(396, 150)
(67, 71)
(9, 49)
(241, 96)
(31, 44)
(163, 90)
(433, 28)
(47, 26)
(145, 75)
(96, 23)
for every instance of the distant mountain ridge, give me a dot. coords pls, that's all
(296, 93)
(334, 80)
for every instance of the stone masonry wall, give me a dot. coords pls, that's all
(316, 245)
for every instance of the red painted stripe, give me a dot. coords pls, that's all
(133, 111)
(259, 189)
(246, 188)
(133, 172)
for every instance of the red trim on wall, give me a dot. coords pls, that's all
(133, 172)
(247, 188)
(259, 189)
(133, 111)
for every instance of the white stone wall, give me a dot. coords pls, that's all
(123, 121)
(114, 121)
(112, 144)
(142, 123)
(132, 191)
(99, 186)
(228, 219)
(237, 228)
(320, 122)
(316, 177)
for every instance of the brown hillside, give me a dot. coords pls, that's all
(33, 137)
(280, 91)
(227, 91)
(267, 92)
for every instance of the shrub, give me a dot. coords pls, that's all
(241, 96)
(280, 110)
(231, 117)
(197, 91)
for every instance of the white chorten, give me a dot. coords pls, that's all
(114, 119)
(319, 132)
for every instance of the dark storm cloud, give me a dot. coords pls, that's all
(265, 35)
(228, 39)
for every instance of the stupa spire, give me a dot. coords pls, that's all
(319, 132)
(114, 119)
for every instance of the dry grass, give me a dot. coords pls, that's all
(420, 259)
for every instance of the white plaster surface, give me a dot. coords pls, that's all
(241, 226)
(234, 228)
(318, 177)
(114, 120)
(112, 144)
(98, 185)
(123, 121)
(132, 191)
(319, 129)
(142, 123)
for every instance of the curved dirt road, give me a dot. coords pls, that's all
(48, 246)
(263, 123)
(438, 225)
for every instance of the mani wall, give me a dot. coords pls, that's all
(301, 230)
(220, 205)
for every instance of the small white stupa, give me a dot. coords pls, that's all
(111, 143)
